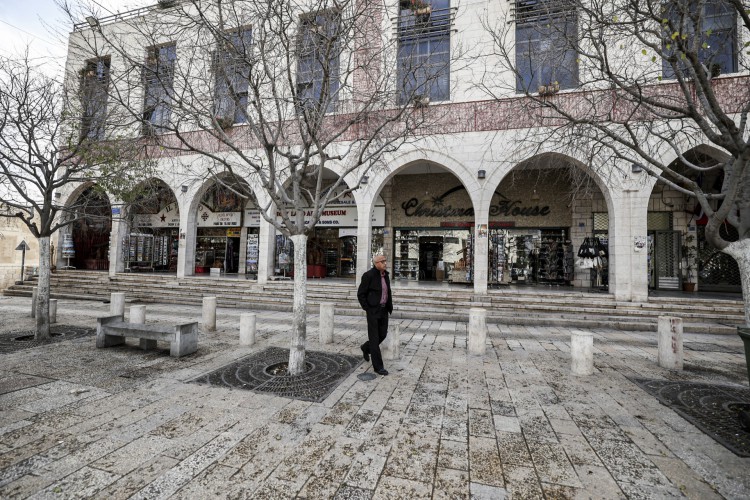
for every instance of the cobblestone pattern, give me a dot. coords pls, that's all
(511, 424)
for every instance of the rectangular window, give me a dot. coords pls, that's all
(424, 28)
(717, 44)
(158, 76)
(546, 45)
(232, 71)
(319, 51)
(93, 93)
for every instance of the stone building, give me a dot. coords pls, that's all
(460, 205)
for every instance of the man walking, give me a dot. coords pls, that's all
(374, 296)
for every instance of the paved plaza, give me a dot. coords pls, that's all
(81, 422)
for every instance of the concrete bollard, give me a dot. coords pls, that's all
(477, 330)
(138, 315)
(581, 353)
(52, 311)
(326, 323)
(34, 291)
(670, 343)
(391, 346)
(209, 314)
(247, 329)
(117, 304)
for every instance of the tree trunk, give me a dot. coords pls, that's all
(740, 251)
(299, 309)
(42, 296)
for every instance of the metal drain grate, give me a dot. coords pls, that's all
(324, 373)
(19, 340)
(714, 409)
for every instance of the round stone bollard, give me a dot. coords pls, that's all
(477, 330)
(209, 314)
(117, 304)
(391, 346)
(326, 323)
(52, 311)
(581, 353)
(34, 291)
(670, 343)
(137, 314)
(247, 328)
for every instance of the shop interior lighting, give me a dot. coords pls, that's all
(93, 22)
(636, 168)
(481, 174)
(535, 196)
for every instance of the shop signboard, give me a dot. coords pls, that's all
(344, 216)
(207, 218)
(68, 250)
(169, 216)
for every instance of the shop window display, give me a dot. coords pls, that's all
(432, 255)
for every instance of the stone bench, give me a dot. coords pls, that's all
(112, 330)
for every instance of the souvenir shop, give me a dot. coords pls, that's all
(219, 241)
(332, 247)
(153, 244)
(528, 235)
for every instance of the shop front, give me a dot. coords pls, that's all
(332, 246)
(153, 244)
(528, 236)
(220, 239)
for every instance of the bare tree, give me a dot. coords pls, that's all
(41, 152)
(648, 87)
(296, 99)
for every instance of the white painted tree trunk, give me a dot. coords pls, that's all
(740, 251)
(42, 296)
(299, 308)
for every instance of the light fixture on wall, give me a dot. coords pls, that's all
(636, 168)
(58, 195)
(93, 22)
(364, 179)
(481, 174)
(184, 188)
(535, 196)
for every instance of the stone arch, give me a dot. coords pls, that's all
(88, 237)
(536, 228)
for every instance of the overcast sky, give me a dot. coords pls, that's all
(41, 25)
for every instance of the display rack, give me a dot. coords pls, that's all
(555, 258)
(406, 262)
(140, 252)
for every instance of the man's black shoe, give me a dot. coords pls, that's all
(382, 371)
(365, 354)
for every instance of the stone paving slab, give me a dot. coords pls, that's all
(116, 423)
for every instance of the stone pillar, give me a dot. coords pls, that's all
(391, 346)
(477, 330)
(326, 323)
(117, 304)
(581, 353)
(34, 292)
(670, 343)
(247, 329)
(209, 314)
(628, 230)
(187, 239)
(364, 237)
(481, 253)
(52, 311)
(266, 248)
(117, 237)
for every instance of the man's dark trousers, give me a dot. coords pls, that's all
(377, 330)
